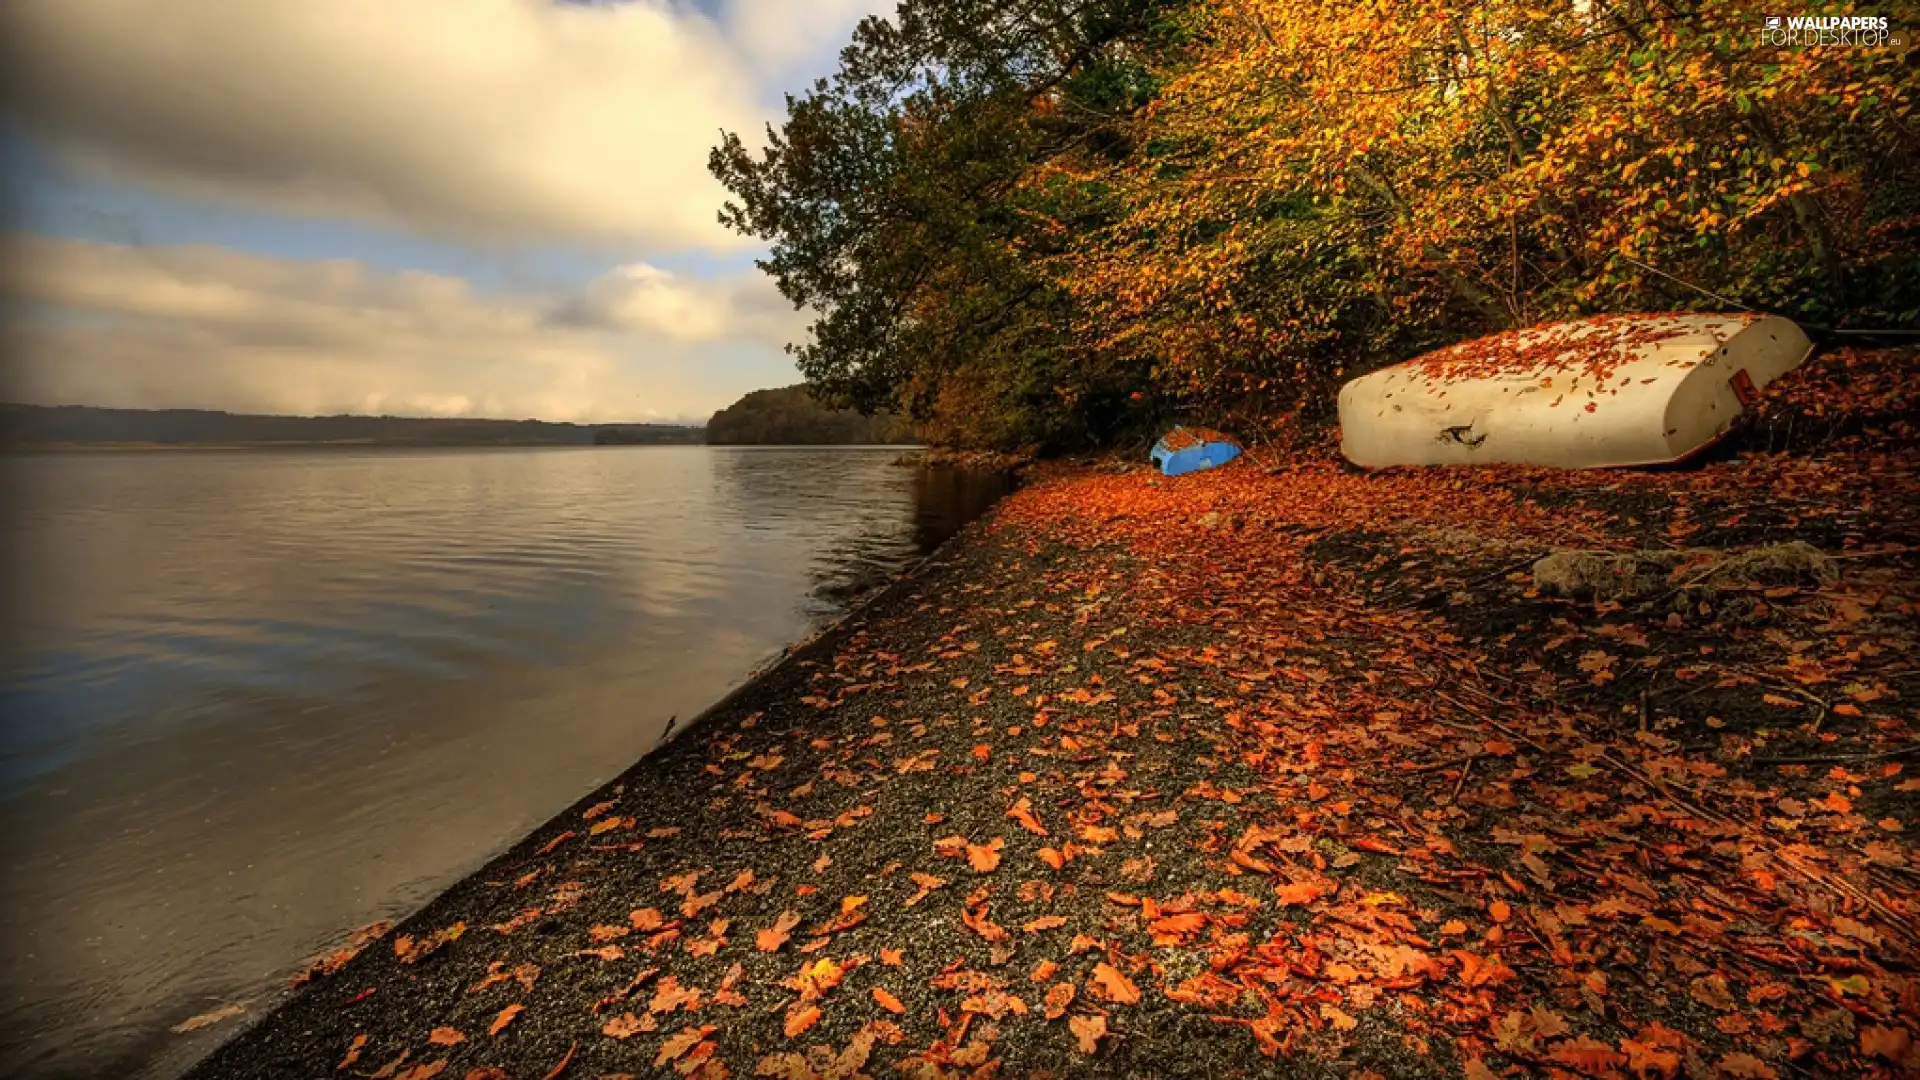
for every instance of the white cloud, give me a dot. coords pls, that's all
(788, 42)
(646, 298)
(206, 327)
(491, 121)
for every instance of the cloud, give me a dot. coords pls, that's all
(646, 298)
(790, 41)
(493, 121)
(209, 327)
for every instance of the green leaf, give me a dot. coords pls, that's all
(1855, 985)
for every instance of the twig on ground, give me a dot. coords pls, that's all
(1462, 782)
(1831, 758)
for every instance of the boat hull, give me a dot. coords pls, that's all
(1603, 393)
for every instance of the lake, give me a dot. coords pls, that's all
(256, 699)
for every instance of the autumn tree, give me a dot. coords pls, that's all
(1327, 186)
(893, 200)
(1061, 223)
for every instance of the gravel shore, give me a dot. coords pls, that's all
(1249, 773)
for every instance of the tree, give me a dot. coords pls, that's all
(893, 198)
(1053, 223)
(791, 415)
(1324, 186)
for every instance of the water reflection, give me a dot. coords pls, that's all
(254, 699)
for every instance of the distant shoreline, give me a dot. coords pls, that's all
(75, 427)
(25, 449)
(142, 447)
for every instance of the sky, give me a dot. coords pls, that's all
(433, 208)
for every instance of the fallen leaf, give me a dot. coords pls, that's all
(770, 939)
(888, 1001)
(669, 995)
(679, 1044)
(1059, 996)
(1022, 812)
(1892, 1043)
(1745, 1066)
(927, 883)
(1855, 985)
(1589, 1056)
(1113, 985)
(566, 1059)
(985, 858)
(446, 1036)
(208, 1019)
(506, 1017)
(1298, 892)
(627, 1025)
(800, 1018)
(1089, 1030)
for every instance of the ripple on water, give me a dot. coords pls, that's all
(255, 700)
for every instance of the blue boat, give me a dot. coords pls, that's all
(1184, 450)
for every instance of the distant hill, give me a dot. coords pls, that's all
(790, 415)
(83, 425)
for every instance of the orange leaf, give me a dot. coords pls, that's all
(1022, 812)
(554, 1073)
(927, 883)
(627, 1025)
(1189, 923)
(1746, 1066)
(1045, 922)
(985, 858)
(1500, 911)
(1089, 1030)
(1589, 1056)
(1891, 1043)
(1298, 893)
(888, 1001)
(770, 939)
(506, 1017)
(1059, 996)
(682, 1043)
(1113, 985)
(801, 1018)
(446, 1036)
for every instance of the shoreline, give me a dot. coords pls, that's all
(758, 688)
(1258, 772)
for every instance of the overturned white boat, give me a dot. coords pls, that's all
(1614, 390)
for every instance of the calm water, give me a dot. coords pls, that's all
(253, 700)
